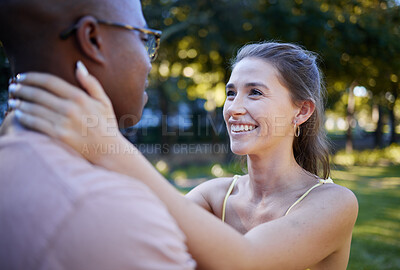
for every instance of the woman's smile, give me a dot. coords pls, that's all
(258, 109)
(240, 128)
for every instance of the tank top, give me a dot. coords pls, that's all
(236, 177)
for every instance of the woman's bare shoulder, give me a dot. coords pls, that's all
(339, 195)
(329, 205)
(217, 183)
(335, 208)
(339, 201)
(211, 186)
(210, 193)
(320, 225)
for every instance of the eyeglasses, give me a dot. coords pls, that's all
(152, 39)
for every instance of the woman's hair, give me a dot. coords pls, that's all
(299, 73)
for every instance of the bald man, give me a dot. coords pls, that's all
(57, 211)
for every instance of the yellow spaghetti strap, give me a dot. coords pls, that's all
(235, 178)
(321, 182)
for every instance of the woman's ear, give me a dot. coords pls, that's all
(89, 39)
(305, 111)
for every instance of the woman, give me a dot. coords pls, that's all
(284, 215)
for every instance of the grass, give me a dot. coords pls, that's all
(376, 236)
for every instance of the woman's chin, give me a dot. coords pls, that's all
(240, 151)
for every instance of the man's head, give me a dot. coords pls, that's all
(30, 32)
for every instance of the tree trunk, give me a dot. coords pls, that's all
(350, 118)
(392, 117)
(378, 131)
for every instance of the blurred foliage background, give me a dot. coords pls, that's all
(182, 129)
(358, 43)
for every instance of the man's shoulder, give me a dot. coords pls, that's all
(122, 227)
(48, 168)
(71, 203)
(34, 156)
(35, 167)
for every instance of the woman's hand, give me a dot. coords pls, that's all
(85, 121)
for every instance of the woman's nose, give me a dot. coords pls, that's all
(236, 106)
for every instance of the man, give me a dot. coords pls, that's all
(57, 211)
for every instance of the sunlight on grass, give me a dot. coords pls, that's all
(376, 236)
(394, 214)
(344, 175)
(378, 230)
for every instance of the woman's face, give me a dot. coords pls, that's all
(258, 110)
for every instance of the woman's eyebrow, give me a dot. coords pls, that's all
(250, 84)
(256, 84)
(230, 86)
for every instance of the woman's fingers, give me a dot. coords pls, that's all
(38, 96)
(65, 90)
(52, 84)
(91, 84)
(35, 123)
(41, 119)
(35, 110)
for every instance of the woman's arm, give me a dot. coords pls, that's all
(61, 112)
(210, 194)
(296, 241)
(305, 237)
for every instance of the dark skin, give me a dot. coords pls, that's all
(44, 53)
(111, 54)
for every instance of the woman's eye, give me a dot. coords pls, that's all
(255, 92)
(230, 93)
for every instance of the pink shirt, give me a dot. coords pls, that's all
(58, 211)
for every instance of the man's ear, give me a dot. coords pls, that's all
(305, 111)
(89, 39)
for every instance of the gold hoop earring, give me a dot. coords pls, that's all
(296, 130)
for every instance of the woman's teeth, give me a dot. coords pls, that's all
(242, 128)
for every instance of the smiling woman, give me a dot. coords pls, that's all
(292, 72)
(285, 213)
